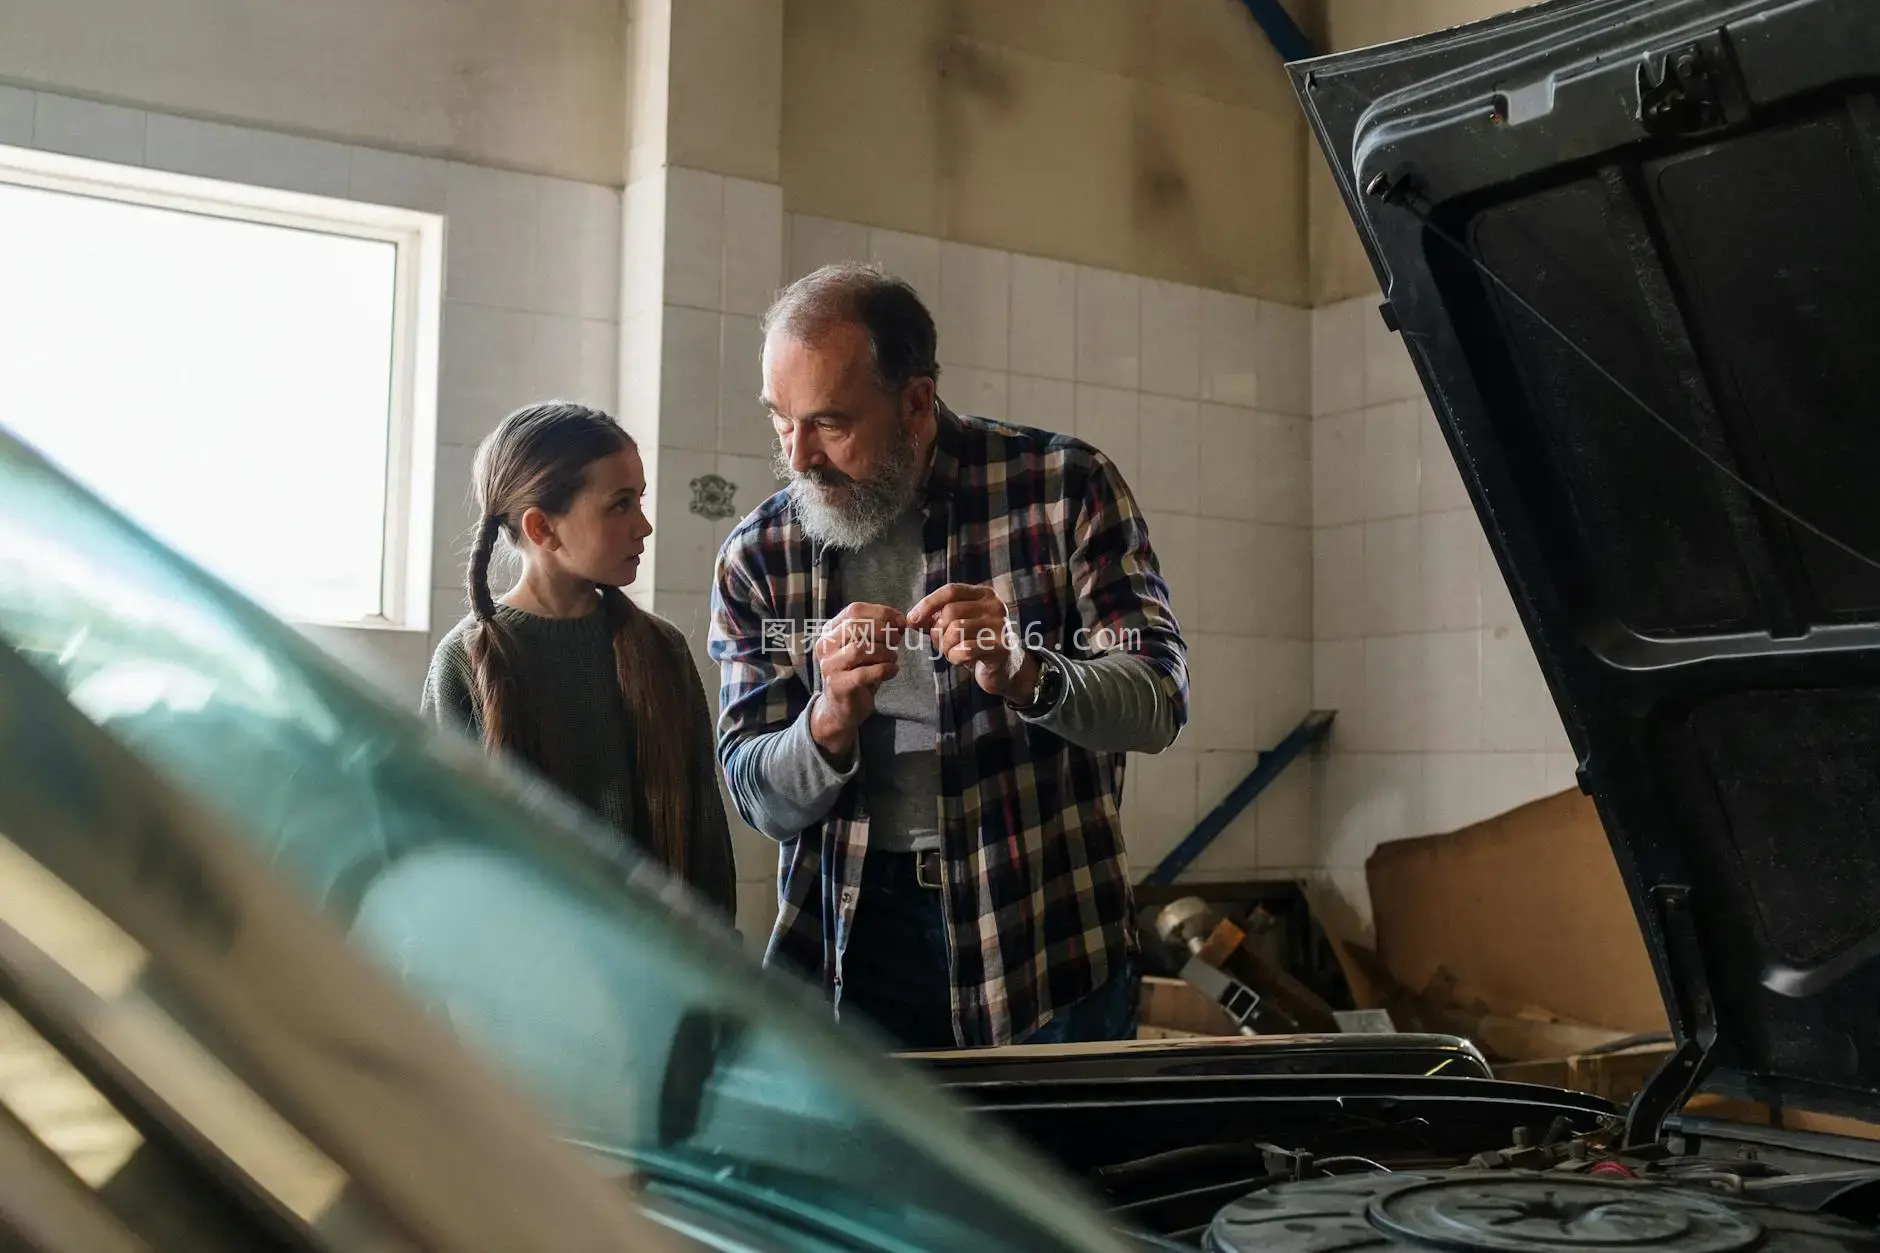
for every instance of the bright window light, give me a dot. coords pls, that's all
(241, 372)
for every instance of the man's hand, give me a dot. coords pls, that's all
(969, 627)
(856, 654)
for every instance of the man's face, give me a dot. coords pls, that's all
(850, 451)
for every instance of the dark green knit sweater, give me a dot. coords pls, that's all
(569, 675)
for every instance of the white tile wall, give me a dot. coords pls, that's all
(1109, 419)
(1339, 604)
(1171, 339)
(532, 285)
(1282, 458)
(1169, 462)
(713, 248)
(687, 541)
(1443, 718)
(1202, 400)
(1389, 373)
(1338, 357)
(291, 163)
(1283, 361)
(1389, 483)
(1393, 577)
(16, 117)
(1230, 349)
(577, 252)
(1228, 603)
(83, 128)
(1283, 687)
(1450, 570)
(643, 250)
(1216, 775)
(743, 427)
(974, 314)
(1452, 691)
(394, 178)
(695, 239)
(1176, 538)
(454, 529)
(1283, 582)
(690, 343)
(1049, 404)
(206, 149)
(1230, 469)
(1044, 318)
(1338, 469)
(912, 257)
(491, 236)
(971, 390)
(816, 242)
(1159, 806)
(753, 246)
(1109, 328)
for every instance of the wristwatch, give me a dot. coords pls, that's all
(1050, 689)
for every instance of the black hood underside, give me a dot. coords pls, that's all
(1633, 247)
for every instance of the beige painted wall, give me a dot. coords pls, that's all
(1157, 137)
(533, 85)
(1339, 267)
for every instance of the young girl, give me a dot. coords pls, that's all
(565, 672)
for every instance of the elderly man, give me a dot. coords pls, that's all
(937, 643)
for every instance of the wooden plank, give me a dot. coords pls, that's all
(1334, 921)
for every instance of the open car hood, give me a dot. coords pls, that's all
(1633, 247)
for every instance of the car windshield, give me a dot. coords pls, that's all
(651, 1038)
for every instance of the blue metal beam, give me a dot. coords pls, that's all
(1302, 737)
(1284, 33)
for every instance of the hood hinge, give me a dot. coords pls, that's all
(1678, 1079)
(1691, 89)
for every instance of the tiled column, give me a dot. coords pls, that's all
(702, 258)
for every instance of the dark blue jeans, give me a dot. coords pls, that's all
(894, 970)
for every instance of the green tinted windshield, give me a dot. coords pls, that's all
(653, 1040)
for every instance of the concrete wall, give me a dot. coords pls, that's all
(1152, 137)
(530, 85)
(1339, 268)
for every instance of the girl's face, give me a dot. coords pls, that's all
(603, 535)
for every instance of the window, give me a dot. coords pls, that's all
(250, 375)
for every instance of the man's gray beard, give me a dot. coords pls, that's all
(846, 513)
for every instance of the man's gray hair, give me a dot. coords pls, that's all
(902, 343)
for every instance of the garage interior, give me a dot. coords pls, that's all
(1126, 233)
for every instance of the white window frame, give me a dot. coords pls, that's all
(418, 302)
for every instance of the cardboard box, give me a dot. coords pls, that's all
(1617, 1076)
(1524, 909)
(1173, 1005)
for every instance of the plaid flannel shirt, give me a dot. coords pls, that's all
(1038, 904)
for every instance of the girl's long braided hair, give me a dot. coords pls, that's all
(538, 458)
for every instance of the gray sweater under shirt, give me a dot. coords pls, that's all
(783, 783)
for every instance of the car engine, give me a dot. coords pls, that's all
(1534, 1212)
(1556, 1192)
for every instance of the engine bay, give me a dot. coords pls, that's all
(1551, 1190)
